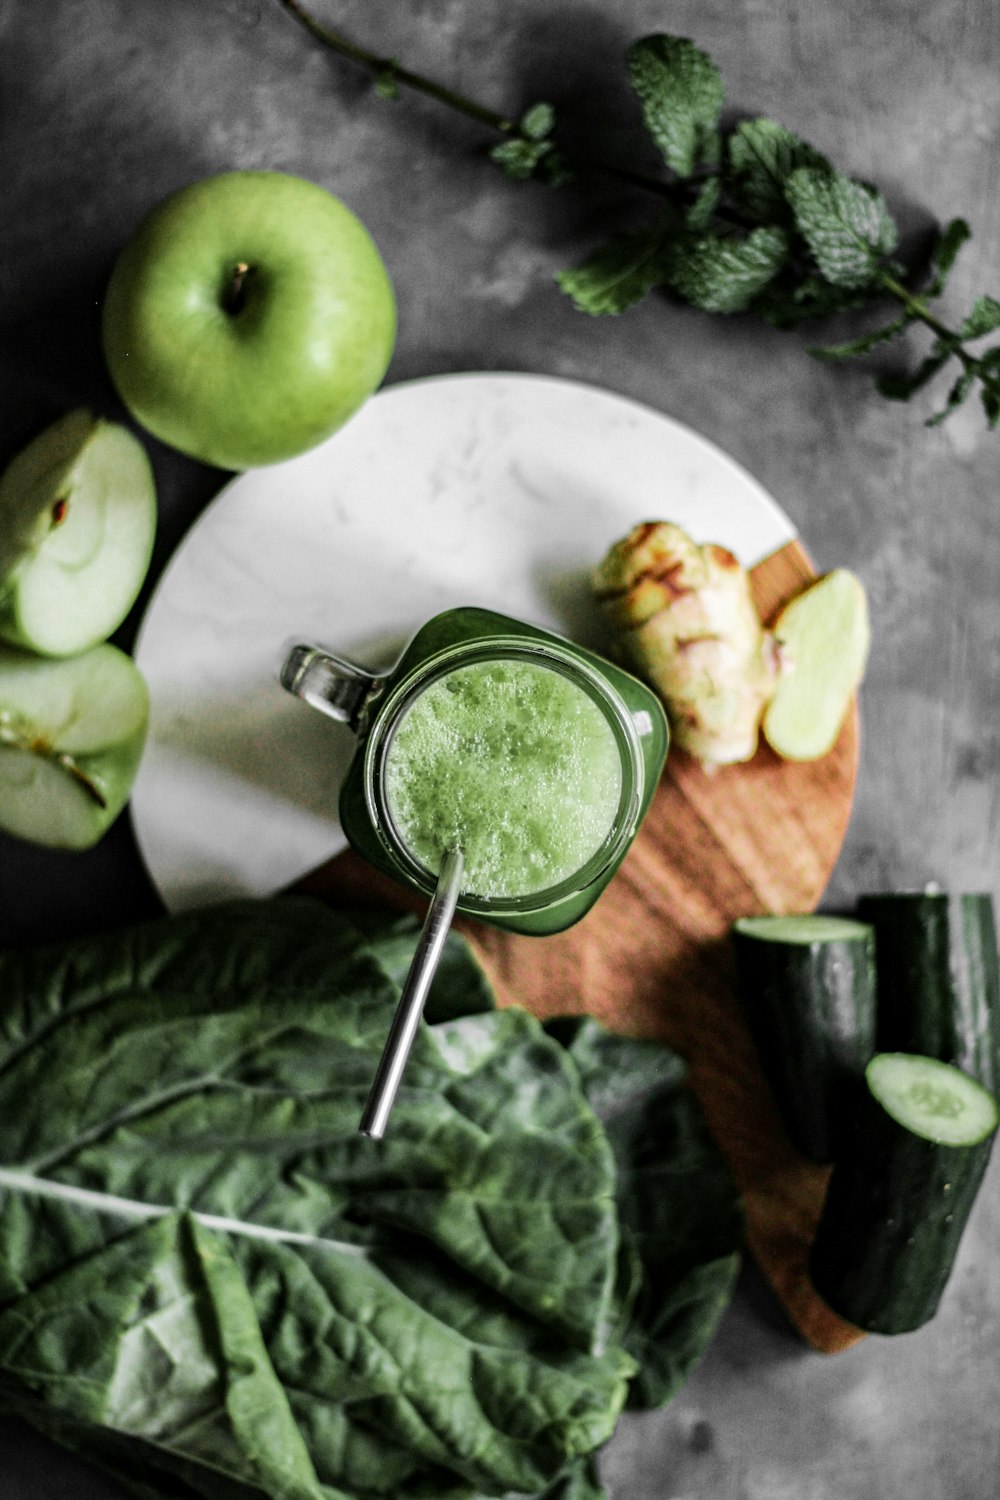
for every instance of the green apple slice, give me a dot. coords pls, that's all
(71, 736)
(77, 521)
(823, 637)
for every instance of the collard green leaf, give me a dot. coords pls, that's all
(846, 225)
(618, 275)
(725, 273)
(761, 156)
(196, 1239)
(681, 93)
(212, 1286)
(460, 986)
(680, 1209)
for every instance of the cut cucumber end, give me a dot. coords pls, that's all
(805, 928)
(931, 1099)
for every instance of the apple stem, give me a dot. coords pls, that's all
(60, 510)
(235, 295)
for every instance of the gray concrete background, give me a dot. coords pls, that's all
(106, 105)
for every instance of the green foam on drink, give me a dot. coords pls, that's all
(512, 762)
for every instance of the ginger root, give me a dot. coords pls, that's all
(684, 621)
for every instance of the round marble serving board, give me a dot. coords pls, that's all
(501, 490)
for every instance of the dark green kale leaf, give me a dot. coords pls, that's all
(682, 1216)
(199, 1250)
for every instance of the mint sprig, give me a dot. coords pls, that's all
(750, 218)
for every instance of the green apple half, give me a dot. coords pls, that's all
(71, 738)
(77, 522)
(249, 316)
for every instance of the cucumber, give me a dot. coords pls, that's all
(897, 1204)
(938, 978)
(807, 985)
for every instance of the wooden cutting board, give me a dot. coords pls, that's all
(653, 957)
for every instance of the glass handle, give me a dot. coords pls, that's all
(334, 685)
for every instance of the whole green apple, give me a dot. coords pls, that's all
(248, 318)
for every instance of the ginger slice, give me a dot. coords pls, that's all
(823, 637)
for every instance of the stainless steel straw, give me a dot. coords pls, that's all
(403, 1030)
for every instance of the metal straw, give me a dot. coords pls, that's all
(403, 1030)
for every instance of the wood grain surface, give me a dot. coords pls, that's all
(653, 957)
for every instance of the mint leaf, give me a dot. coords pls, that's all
(949, 242)
(387, 79)
(522, 159)
(681, 93)
(902, 387)
(846, 225)
(866, 343)
(990, 396)
(699, 216)
(984, 317)
(963, 385)
(720, 273)
(792, 299)
(538, 122)
(762, 155)
(618, 275)
(532, 152)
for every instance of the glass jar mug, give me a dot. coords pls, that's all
(535, 757)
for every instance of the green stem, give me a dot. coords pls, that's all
(384, 67)
(919, 310)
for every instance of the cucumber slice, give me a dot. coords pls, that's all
(932, 1099)
(898, 1203)
(807, 986)
(938, 978)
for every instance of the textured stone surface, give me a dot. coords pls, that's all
(105, 105)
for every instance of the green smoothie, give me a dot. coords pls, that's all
(511, 762)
